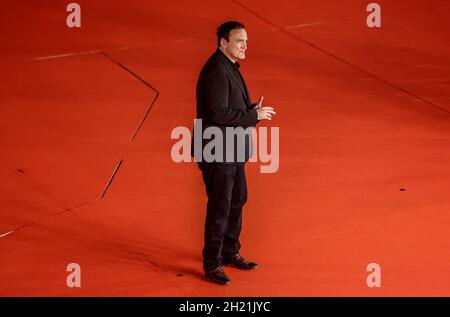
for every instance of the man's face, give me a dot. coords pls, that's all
(237, 45)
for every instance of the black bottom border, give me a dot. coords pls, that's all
(213, 306)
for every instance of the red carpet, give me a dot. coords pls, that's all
(362, 113)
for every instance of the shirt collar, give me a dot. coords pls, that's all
(235, 65)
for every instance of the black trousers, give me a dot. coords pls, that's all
(226, 188)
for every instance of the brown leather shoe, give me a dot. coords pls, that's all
(218, 275)
(239, 262)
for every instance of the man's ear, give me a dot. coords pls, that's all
(223, 42)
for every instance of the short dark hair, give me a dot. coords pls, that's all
(223, 31)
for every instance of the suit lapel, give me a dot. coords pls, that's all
(249, 100)
(237, 82)
(232, 74)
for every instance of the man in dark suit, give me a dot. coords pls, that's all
(223, 103)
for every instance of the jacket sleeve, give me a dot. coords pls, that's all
(216, 89)
(253, 107)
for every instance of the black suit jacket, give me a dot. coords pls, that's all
(223, 101)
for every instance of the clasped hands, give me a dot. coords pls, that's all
(264, 113)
